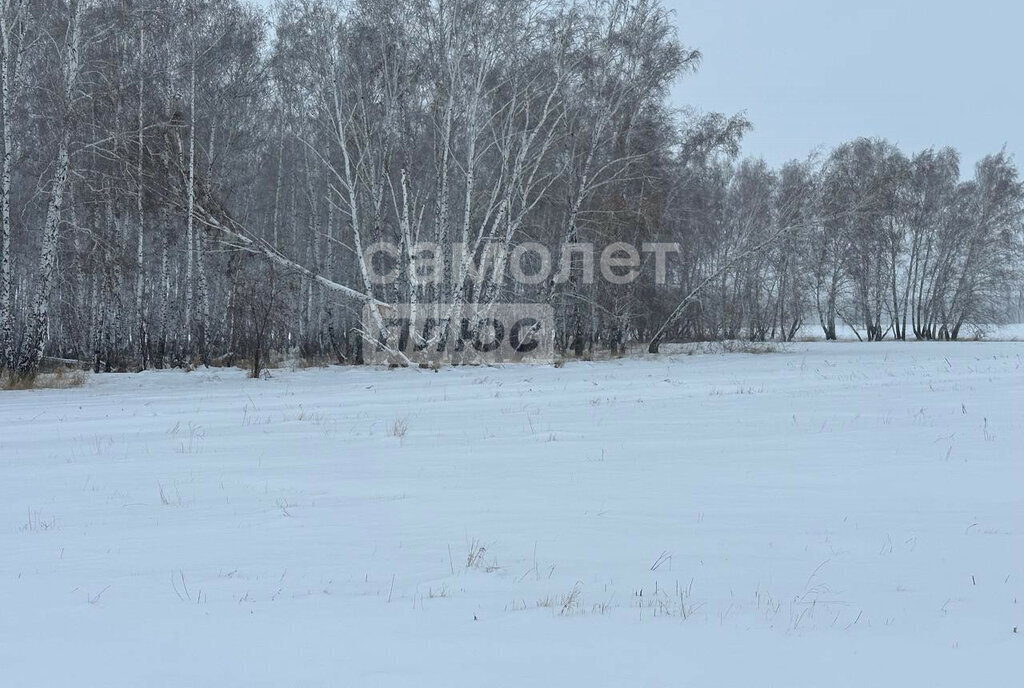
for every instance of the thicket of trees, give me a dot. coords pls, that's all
(197, 180)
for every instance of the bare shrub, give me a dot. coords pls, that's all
(259, 308)
(399, 427)
(475, 557)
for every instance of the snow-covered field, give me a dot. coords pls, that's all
(830, 515)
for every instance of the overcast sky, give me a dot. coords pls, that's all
(812, 73)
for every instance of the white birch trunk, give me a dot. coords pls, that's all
(277, 193)
(348, 181)
(48, 255)
(140, 313)
(190, 200)
(11, 20)
(165, 296)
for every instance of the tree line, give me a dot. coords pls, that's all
(200, 180)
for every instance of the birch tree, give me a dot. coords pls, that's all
(14, 23)
(36, 341)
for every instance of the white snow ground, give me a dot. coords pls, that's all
(832, 515)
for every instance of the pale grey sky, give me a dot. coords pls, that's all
(918, 72)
